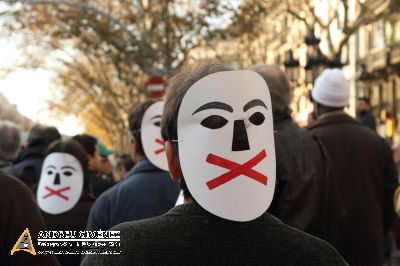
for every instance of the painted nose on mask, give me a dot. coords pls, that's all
(240, 140)
(57, 179)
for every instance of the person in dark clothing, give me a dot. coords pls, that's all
(302, 176)
(28, 165)
(145, 192)
(10, 139)
(364, 114)
(65, 166)
(364, 173)
(19, 211)
(199, 235)
(98, 183)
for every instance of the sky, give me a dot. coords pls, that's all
(30, 90)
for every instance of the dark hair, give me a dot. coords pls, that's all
(75, 149)
(88, 143)
(10, 139)
(177, 88)
(42, 136)
(365, 99)
(135, 121)
(322, 109)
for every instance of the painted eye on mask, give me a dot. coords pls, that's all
(257, 118)
(67, 173)
(157, 123)
(50, 172)
(214, 122)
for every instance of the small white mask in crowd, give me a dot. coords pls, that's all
(61, 183)
(226, 144)
(152, 143)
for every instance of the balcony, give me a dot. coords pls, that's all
(395, 53)
(376, 59)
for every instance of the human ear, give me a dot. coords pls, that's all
(173, 161)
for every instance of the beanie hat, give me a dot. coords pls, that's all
(331, 89)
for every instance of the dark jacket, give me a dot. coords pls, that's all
(19, 211)
(303, 183)
(145, 192)
(28, 166)
(366, 178)
(5, 165)
(367, 119)
(72, 220)
(99, 184)
(189, 235)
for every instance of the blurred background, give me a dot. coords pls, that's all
(80, 65)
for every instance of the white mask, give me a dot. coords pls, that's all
(152, 143)
(226, 144)
(61, 183)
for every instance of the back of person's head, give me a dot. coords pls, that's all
(10, 140)
(135, 122)
(75, 149)
(331, 91)
(88, 143)
(42, 136)
(279, 89)
(364, 99)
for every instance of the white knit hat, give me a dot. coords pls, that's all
(331, 89)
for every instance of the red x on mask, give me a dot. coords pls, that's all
(236, 169)
(54, 192)
(159, 141)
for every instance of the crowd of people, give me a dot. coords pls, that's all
(256, 188)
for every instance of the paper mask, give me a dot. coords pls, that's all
(61, 183)
(226, 144)
(152, 143)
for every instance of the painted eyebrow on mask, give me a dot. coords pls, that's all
(51, 166)
(214, 105)
(156, 116)
(68, 167)
(254, 103)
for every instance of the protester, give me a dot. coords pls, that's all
(303, 180)
(99, 184)
(63, 193)
(123, 165)
(10, 140)
(364, 173)
(28, 166)
(19, 211)
(223, 220)
(147, 190)
(106, 167)
(364, 114)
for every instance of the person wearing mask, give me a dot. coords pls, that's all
(63, 193)
(219, 142)
(147, 190)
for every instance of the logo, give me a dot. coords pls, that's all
(24, 243)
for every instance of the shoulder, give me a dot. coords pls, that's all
(305, 247)
(11, 185)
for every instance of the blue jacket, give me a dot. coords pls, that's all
(146, 192)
